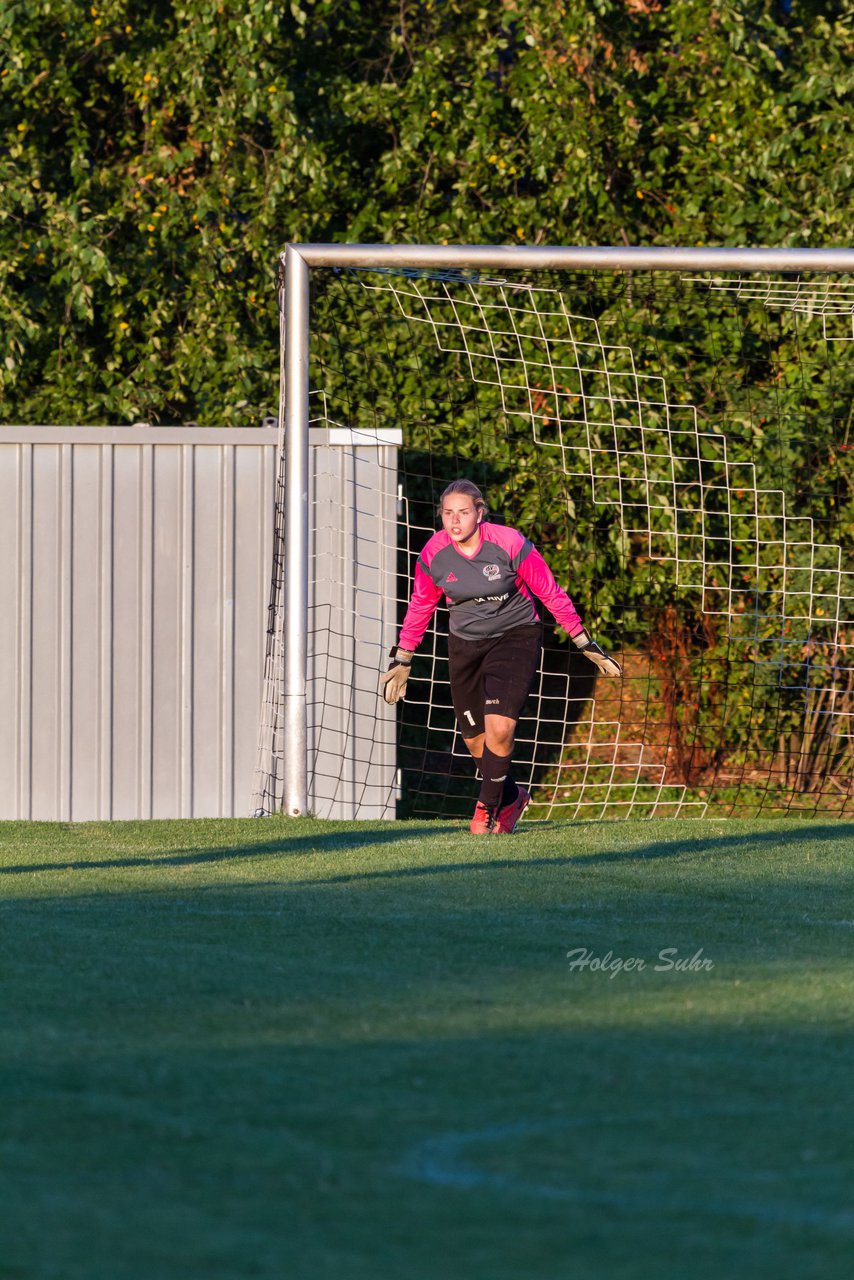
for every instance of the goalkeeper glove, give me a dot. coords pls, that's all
(592, 651)
(394, 681)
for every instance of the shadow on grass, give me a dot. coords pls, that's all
(327, 842)
(350, 840)
(536, 1146)
(287, 845)
(650, 852)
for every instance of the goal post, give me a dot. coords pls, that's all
(290, 612)
(295, 453)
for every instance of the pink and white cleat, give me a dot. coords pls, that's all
(505, 822)
(484, 822)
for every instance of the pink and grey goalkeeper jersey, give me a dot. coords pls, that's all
(488, 593)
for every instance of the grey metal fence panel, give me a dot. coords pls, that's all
(352, 624)
(134, 566)
(10, 671)
(134, 580)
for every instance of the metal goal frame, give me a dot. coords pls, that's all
(296, 263)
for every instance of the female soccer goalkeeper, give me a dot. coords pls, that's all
(490, 576)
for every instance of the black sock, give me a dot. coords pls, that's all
(496, 776)
(511, 791)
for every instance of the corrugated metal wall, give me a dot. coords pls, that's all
(352, 626)
(134, 583)
(134, 563)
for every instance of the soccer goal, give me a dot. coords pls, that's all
(670, 427)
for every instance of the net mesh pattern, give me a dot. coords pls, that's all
(678, 449)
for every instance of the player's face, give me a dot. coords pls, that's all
(460, 517)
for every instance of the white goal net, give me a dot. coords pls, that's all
(678, 449)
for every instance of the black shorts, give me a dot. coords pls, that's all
(493, 676)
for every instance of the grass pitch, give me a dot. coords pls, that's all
(306, 1050)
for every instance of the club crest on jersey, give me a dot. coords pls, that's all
(491, 571)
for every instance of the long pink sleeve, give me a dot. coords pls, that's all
(422, 605)
(540, 581)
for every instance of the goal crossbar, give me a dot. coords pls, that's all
(296, 262)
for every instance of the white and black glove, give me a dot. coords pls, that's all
(394, 681)
(592, 651)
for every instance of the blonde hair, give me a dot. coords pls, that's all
(470, 491)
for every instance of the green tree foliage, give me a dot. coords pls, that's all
(156, 155)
